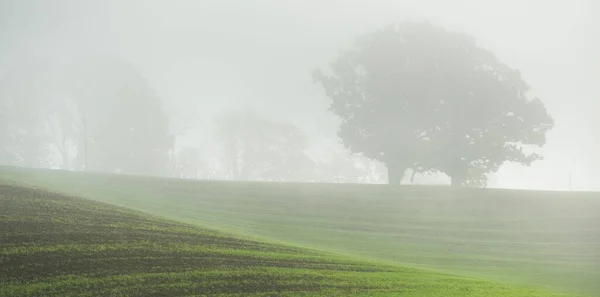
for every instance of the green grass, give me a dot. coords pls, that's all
(545, 239)
(55, 245)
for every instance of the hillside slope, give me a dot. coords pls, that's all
(54, 245)
(545, 239)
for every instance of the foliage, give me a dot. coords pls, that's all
(414, 95)
(26, 92)
(126, 126)
(188, 163)
(102, 103)
(256, 148)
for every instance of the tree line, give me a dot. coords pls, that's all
(411, 96)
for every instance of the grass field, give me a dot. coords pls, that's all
(56, 245)
(542, 239)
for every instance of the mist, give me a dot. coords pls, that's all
(207, 59)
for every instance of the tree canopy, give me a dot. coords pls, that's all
(99, 103)
(29, 100)
(413, 95)
(126, 127)
(256, 148)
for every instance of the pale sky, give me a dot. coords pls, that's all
(202, 56)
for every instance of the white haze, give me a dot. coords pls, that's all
(203, 56)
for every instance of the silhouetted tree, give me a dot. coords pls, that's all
(488, 123)
(414, 95)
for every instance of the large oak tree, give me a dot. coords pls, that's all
(414, 95)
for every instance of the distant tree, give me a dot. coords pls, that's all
(5, 134)
(175, 161)
(28, 93)
(256, 148)
(231, 131)
(338, 165)
(289, 162)
(373, 171)
(414, 95)
(102, 103)
(345, 169)
(189, 163)
(126, 128)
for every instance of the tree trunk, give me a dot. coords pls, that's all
(395, 174)
(66, 162)
(412, 176)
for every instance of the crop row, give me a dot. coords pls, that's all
(54, 245)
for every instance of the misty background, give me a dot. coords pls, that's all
(203, 58)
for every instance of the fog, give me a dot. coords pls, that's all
(204, 59)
